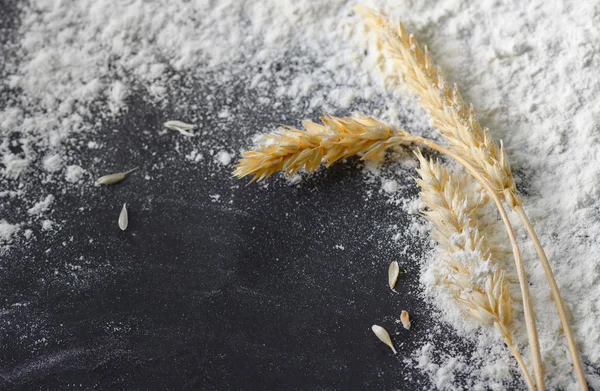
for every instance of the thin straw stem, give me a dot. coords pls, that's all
(515, 352)
(556, 297)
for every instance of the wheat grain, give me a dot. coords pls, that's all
(383, 336)
(123, 218)
(111, 179)
(405, 319)
(393, 272)
(291, 149)
(181, 127)
(477, 283)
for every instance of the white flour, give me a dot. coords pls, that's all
(530, 69)
(7, 230)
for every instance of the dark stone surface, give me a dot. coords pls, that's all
(245, 292)
(204, 295)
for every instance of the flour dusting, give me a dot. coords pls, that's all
(530, 71)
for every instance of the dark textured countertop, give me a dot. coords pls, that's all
(266, 287)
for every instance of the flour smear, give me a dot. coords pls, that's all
(529, 68)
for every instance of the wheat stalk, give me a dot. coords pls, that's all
(460, 127)
(477, 283)
(291, 149)
(263, 166)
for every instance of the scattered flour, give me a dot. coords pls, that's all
(390, 186)
(294, 179)
(53, 163)
(47, 225)
(531, 72)
(223, 157)
(74, 173)
(118, 93)
(13, 165)
(41, 206)
(7, 231)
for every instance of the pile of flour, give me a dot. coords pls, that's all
(530, 70)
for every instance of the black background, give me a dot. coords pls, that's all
(245, 292)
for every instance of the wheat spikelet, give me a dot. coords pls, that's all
(291, 150)
(476, 281)
(451, 115)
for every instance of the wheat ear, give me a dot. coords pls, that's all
(291, 150)
(455, 119)
(459, 125)
(477, 283)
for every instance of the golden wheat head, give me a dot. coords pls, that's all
(454, 118)
(291, 150)
(477, 283)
